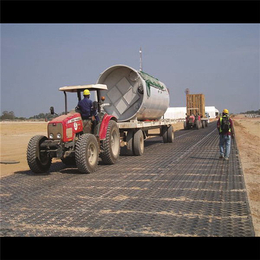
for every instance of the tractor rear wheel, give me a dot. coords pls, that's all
(111, 145)
(86, 153)
(197, 124)
(185, 127)
(38, 162)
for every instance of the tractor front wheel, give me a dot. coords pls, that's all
(37, 161)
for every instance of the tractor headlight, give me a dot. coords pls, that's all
(55, 131)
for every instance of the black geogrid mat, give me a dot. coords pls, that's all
(178, 189)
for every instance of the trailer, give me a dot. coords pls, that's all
(134, 133)
(195, 116)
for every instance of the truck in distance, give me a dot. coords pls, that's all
(195, 111)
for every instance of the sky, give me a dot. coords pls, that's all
(219, 60)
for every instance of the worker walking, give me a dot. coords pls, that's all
(226, 131)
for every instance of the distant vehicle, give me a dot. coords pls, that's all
(196, 117)
(207, 116)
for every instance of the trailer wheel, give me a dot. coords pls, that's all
(138, 143)
(111, 144)
(128, 148)
(170, 134)
(164, 133)
(86, 153)
(38, 162)
(167, 134)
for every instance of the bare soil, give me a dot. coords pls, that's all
(15, 136)
(247, 131)
(14, 140)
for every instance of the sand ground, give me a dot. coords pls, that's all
(14, 140)
(15, 136)
(247, 131)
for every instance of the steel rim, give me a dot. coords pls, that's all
(92, 154)
(142, 144)
(114, 143)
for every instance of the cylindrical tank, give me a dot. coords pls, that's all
(133, 94)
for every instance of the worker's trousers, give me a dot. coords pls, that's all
(224, 145)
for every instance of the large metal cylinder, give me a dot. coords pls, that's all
(133, 94)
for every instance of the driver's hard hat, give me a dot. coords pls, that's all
(225, 111)
(86, 92)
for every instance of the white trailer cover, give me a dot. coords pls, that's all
(180, 112)
(175, 113)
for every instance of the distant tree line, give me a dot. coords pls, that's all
(9, 115)
(252, 112)
(47, 116)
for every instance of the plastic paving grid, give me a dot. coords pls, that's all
(178, 189)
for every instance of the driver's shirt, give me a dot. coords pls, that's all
(85, 108)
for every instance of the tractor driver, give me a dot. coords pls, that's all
(85, 105)
(88, 114)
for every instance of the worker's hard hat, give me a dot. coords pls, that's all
(225, 111)
(86, 92)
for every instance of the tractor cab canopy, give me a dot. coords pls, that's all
(80, 88)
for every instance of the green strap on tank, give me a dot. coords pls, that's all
(151, 81)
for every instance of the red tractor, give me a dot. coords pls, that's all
(76, 141)
(192, 121)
